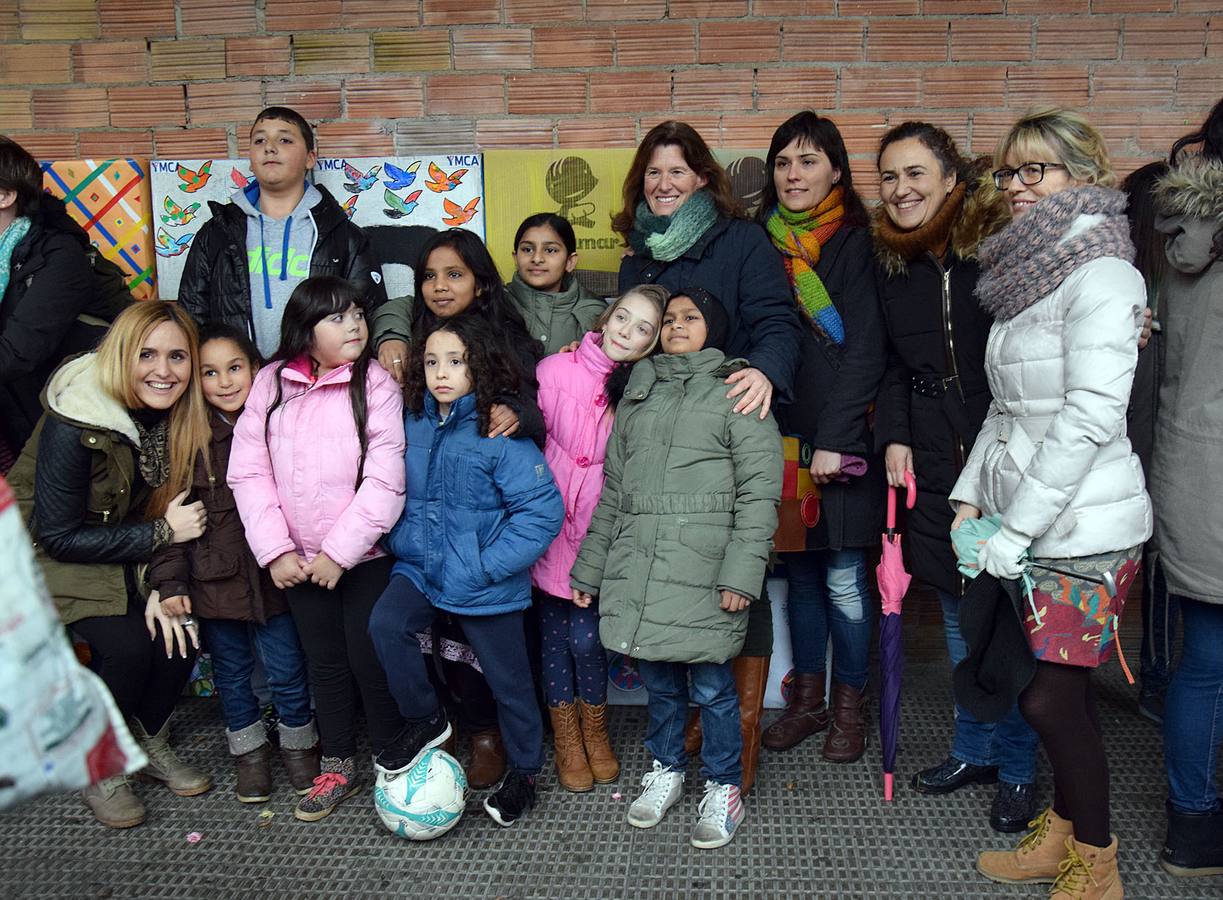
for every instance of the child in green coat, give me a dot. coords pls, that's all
(677, 551)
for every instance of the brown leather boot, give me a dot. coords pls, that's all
(805, 715)
(1088, 873)
(603, 763)
(302, 766)
(751, 674)
(572, 768)
(692, 732)
(1036, 858)
(487, 759)
(846, 741)
(254, 770)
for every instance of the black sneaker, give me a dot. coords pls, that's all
(512, 798)
(413, 739)
(1013, 808)
(951, 775)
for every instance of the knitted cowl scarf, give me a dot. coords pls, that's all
(1028, 259)
(9, 240)
(798, 236)
(931, 237)
(666, 238)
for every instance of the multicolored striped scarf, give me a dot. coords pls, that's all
(9, 240)
(799, 237)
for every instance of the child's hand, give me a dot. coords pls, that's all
(502, 421)
(571, 347)
(287, 570)
(581, 599)
(324, 571)
(393, 356)
(176, 606)
(187, 522)
(733, 602)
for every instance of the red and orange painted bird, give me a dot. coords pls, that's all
(193, 181)
(439, 182)
(459, 215)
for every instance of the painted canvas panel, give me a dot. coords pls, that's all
(583, 186)
(399, 201)
(110, 199)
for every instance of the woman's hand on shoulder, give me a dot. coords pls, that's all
(393, 356)
(825, 466)
(324, 571)
(187, 520)
(733, 601)
(898, 459)
(288, 570)
(753, 389)
(502, 421)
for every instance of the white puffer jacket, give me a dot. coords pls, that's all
(1053, 457)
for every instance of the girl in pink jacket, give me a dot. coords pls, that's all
(317, 473)
(577, 412)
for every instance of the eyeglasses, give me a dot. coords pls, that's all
(1029, 173)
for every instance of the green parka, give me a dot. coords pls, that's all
(688, 508)
(556, 320)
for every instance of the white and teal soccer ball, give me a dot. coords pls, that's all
(424, 802)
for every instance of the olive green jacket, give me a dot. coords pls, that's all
(688, 508)
(556, 320)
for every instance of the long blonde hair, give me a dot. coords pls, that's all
(188, 434)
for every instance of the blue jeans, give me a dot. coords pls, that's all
(1009, 744)
(233, 646)
(713, 690)
(1193, 711)
(828, 595)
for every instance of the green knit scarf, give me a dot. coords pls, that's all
(665, 238)
(9, 240)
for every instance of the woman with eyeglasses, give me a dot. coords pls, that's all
(936, 208)
(1052, 464)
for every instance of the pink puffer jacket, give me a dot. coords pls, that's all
(296, 490)
(578, 419)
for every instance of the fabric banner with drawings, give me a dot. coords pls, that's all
(398, 200)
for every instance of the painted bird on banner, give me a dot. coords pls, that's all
(358, 182)
(192, 180)
(399, 178)
(439, 181)
(459, 215)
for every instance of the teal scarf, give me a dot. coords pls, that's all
(665, 238)
(8, 242)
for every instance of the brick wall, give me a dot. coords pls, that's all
(101, 78)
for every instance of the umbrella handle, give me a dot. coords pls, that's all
(887, 785)
(911, 490)
(891, 510)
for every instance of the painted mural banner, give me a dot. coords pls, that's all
(583, 186)
(110, 199)
(398, 200)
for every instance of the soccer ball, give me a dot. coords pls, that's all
(424, 802)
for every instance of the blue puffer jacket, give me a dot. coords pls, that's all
(479, 512)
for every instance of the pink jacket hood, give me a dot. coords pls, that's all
(578, 419)
(296, 491)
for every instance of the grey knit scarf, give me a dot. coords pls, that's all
(1028, 259)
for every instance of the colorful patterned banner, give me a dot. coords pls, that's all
(398, 200)
(110, 199)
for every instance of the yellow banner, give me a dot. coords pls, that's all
(583, 186)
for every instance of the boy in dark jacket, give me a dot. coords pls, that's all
(216, 578)
(273, 234)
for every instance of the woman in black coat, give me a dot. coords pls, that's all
(818, 223)
(685, 231)
(935, 211)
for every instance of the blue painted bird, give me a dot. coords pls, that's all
(169, 245)
(399, 178)
(397, 208)
(357, 182)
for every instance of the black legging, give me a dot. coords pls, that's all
(1060, 706)
(134, 667)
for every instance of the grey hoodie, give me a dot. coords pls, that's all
(278, 254)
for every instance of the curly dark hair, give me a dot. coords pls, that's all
(495, 371)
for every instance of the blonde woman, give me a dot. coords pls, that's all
(103, 483)
(1053, 462)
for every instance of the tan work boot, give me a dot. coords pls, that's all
(164, 764)
(603, 763)
(1036, 859)
(572, 767)
(1088, 873)
(114, 803)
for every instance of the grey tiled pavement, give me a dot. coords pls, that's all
(814, 829)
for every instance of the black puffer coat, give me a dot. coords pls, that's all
(936, 328)
(834, 389)
(216, 283)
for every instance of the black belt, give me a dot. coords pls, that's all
(933, 385)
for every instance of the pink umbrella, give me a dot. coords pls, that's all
(893, 582)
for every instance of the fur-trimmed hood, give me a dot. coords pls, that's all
(74, 394)
(984, 213)
(1194, 188)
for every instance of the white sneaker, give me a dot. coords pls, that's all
(663, 786)
(721, 812)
